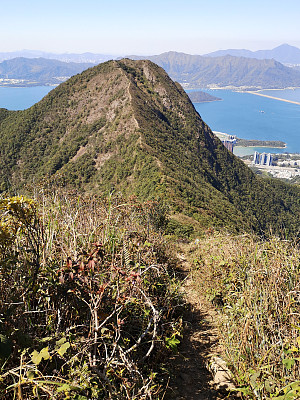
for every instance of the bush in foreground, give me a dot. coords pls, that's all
(88, 300)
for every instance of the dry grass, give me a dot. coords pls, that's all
(255, 284)
(88, 299)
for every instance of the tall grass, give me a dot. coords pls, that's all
(88, 299)
(256, 285)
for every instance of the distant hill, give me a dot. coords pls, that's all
(202, 97)
(125, 125)
(38, 71)
(191, 71)
(65, 57)
(285, 54)
(194, 71)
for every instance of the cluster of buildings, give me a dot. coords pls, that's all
(228, 140)
(229, 143)
(4, 81)
(262, 158)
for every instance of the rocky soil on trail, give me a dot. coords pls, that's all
(199, 369)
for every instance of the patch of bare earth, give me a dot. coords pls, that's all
(199, 371)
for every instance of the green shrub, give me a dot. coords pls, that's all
(88, 303)
(177, 228)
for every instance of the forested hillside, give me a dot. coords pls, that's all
(102, 184)
(125, 125)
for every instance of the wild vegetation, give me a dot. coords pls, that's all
(89, 303)
(91, 307)
(126, 125)
(255, 286)
(88, 298)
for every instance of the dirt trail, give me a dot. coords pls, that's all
(199, 372)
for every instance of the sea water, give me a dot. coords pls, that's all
(245, 115)
(286, 94)
(249, 116)
(20, 98)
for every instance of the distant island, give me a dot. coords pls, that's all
(260, 143)
(202, 97)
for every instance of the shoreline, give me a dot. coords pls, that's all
(244, 146)
(29, 86)
(267, 147)
(255, 91)
(275, 98)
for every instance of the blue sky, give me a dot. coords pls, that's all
(147, 27)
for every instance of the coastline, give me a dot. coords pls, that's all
(29, 85)
(267, 147)
(262, 125)
(206, 101)
(274, 98)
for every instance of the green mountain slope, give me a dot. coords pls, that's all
(39, 70)
(126, 124)
(195, 71)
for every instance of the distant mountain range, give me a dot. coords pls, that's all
(226, 68)
(194, 71)
(37, 71)
(66, 57)
(285, 54)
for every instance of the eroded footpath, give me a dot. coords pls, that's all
(199, 369)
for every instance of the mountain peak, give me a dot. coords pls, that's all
(284, 53)
(126, 125)
(285, 46)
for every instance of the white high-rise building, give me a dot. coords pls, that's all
(262, 158)
(269, 159)
(255, 158)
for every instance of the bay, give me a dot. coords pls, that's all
(249, 116)
(20, 98)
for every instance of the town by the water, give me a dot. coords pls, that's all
(278, 165)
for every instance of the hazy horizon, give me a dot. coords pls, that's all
(132, 27)
(127, 54)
